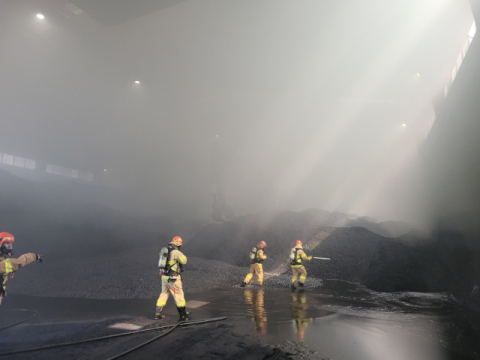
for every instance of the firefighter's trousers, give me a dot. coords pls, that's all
(299, 270)
(255, 269)
(174, 287)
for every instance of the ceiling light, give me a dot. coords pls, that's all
(137, 82)
(40, 16)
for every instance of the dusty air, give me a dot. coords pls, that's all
(247, 179)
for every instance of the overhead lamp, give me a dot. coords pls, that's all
(137, 82)
(40, 16)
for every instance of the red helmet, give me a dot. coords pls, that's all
(262, 244)
(178, 240)
(6, 244)
(298, 242)
(6, 237)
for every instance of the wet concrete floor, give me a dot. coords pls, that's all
(339, 321)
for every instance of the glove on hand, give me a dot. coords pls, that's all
(310, 258)
(39, 257)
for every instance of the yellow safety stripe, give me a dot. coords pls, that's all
(171, 262)
(165, 277)
(304, 256)
(302, 277)
(161, 303)
(296, 266)
(183, 258)
(181, 304)
(8, 266)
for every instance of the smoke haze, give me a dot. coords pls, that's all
(307, 100)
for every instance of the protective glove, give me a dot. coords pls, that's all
(39, 257)
(310, 258)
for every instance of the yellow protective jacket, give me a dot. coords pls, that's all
(259, 257)
(300, 255)
(9, 265)
(176, 257)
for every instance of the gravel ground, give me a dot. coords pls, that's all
(127, 276)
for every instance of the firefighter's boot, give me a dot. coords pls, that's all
(158, 313)
(243, 284)
(183, 313)
(293, 287)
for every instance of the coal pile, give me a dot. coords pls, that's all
(357, 254)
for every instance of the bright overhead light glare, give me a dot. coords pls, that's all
(105, 170)
(404, 124)
(40, 16)
(418, 74)
(137, 82)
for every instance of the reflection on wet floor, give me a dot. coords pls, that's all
(299, 313)
(340, 321)
(255, 300)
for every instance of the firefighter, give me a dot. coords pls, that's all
(9, 266)
(172, 280)
(257, 256)
(296, 255)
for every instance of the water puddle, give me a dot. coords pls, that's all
(339, 320)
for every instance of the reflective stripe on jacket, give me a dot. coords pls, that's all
(300, 255)
(176, 257)
(8, 266)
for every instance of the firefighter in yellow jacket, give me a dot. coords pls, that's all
(172, 281)
(257, 256)
(296, 256)
(9, 266)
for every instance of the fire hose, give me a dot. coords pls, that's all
(172, 327)
(20, 322)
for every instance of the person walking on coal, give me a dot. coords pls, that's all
(10, 265)
(257, 256)
(296, 256)
(171, 265)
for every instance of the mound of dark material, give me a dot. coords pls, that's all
(357, 254)
(63, 219)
